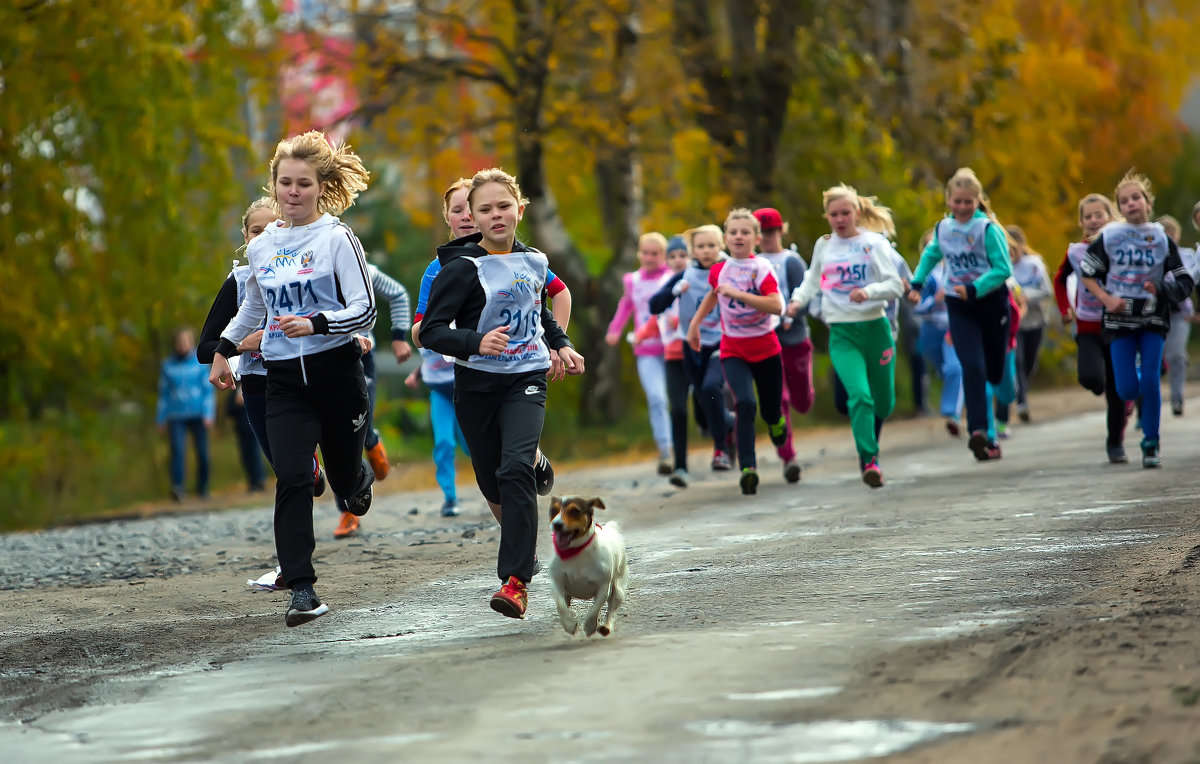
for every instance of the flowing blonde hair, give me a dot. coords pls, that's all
(338, 169)
(871, 215)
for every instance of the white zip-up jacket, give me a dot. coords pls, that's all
(317, 271)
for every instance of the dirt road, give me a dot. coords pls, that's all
(1040, 608)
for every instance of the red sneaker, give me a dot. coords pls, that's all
(512, 599)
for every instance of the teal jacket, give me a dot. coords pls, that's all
(996, 242)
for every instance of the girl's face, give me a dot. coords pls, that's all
(257, 222)
(741, 237)
(297, 190)
(458, 215)
(677, 259)
(496, 212)
(1172, 233)
(962, 203)
(184, 342)
(1132, 203)
(706, 247)
(1093, 217)
(842, 217)
(651, 254)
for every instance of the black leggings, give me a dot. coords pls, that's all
(329, 410)
(678, 386)
(1095, 369)
(502, 427)
(743, 377)
(980, 330)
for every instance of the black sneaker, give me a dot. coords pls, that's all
(778, 432)
(791, 471)
(749, 481)
(359, 503)
(304, 607)
(543, 473)
(1116, 454)
(1150, 458)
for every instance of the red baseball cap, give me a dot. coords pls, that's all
(769, 218)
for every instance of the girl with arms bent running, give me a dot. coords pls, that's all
(309, 280)
(744, 286)
(506, 342)
(975, 249)
(1126, 268)
(854, 272)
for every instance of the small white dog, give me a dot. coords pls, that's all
(589, 564)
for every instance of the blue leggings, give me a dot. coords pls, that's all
(446, 434)
(942, 357)
(1125, 349)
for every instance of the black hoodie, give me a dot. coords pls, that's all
(457, 296)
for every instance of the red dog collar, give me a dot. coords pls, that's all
(567, 552)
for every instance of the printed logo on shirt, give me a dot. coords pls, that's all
(887, 356)
(306, 260)
(266, 272)
(359, 422)
(532, 390)
(284, 258)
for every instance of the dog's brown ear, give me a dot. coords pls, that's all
(555, 506)
(596, 503)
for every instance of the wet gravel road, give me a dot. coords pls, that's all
(747, 617)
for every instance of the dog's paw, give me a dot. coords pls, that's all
(603, 631)
(589, 627)
(570, 625)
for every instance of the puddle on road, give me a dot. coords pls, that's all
(798, 693)
(818, 741)
(382, 743)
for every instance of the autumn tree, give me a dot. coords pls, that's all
(517, 76)
(740, 58)
(116, 141)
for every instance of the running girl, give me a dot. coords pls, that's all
(457, 214)
(1093, 363)
(703, 366)
(507, 343)
(854, 272)
(744, 286)
(1126, 268)
(664, 324)
(975, 249)
(640, 285)
(309, 279)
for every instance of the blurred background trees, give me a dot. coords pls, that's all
(134, 134)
